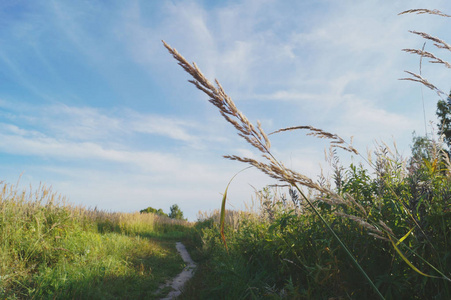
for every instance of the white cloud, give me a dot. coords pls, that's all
(84, 124)
(363, 119)
(153, 124)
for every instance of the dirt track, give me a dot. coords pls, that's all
(179, 281)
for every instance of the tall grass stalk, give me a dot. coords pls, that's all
(257, 137)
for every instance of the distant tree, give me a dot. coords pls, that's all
(176, 212)
(421, 151)
(421, 148)
(154, 211)
(427, 157)
(444, 119)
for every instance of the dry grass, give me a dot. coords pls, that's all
(423, 81)
(422, 53)
(262, 208)
(337, 141)
(254, 135)
(20, 203)
(437, 42)
(257, 137)
(232, 218)
(420, 11)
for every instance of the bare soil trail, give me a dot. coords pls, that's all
(179, 281)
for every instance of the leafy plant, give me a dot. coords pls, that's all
(444, 119)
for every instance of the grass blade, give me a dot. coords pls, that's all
(222, 215)
(405, 258)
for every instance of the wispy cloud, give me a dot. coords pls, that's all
(170, 127)
(90, 124)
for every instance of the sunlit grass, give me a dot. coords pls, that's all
(50, 249)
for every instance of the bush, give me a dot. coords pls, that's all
(154, 211)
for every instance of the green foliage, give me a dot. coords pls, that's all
(176, 212)
(51, 250)
(444, 119)
(282, 253)
(421, 151)
(152, 210)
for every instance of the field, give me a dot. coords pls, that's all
(52, 250)
(277, 249)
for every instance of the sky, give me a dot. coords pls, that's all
(93, 105)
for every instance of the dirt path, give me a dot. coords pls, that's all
(179, 281)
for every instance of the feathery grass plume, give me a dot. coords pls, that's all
(429, 55)
(353, 203)
(438, 42)
(224, 103)
(259, 140)
(378, 236)
(337, 141)
(420, 11)
(277, 171)
(361, 222)
(420, 79)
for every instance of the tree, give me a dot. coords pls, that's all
(421, 152)
(154, 211)
(176, 212)
(444, 117)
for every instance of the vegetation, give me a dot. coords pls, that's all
(283, 251)
(378, 229)
(444, 119)
(176, 213)
(151, 210)
(52, 250)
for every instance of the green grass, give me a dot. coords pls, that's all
(51, 250)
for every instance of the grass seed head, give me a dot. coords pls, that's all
(420, 11)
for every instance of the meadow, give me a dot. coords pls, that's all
(50, 249)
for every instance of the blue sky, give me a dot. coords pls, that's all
(92, 104)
